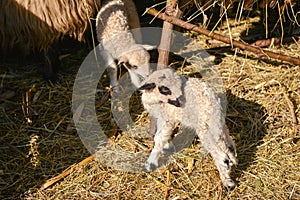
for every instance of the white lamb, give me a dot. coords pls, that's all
(172, 98)
(113, 24)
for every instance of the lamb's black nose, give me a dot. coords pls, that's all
(179, 102)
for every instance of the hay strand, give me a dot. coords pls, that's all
(292, 112)
(258, 117)
(168, 184)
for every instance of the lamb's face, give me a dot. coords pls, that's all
(164, 86)
(137, 63)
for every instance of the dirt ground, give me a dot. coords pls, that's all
(38, 140)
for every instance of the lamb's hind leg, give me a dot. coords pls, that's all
(224, 163)
(161, 139)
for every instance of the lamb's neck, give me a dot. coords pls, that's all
(123, 41)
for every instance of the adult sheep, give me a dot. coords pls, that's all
(35, 25)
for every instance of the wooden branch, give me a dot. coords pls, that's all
(66, 173)
(244, 46)
(164, 47)
(166, 36)
(274, 41)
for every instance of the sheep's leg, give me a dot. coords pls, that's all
(153, 122)
(108, 61)
(113, 74)
(222, 150)
(168, 148)
(52, 65)
(230, 145)
(224, 164)
(162, 136)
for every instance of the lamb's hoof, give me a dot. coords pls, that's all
(229, 185)
(150, 167)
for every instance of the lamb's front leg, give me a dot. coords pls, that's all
(113, 74)
(162, 136)
(108, 61)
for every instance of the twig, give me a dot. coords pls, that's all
(66, 173)
(191, 163)
(12, 147)
(292, 112)
(7, 95)
(242, 45)
(168, 184)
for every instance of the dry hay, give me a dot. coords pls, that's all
(263, 103)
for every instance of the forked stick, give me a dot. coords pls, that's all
(164, 47)
(55, 179)
(242, 45)
(166, 36)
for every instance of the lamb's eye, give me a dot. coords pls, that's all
(131, 66)
(164, 90)
(128, 66)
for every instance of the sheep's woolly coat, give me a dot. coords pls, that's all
(37, 24)
(171, 99)
(115, 17)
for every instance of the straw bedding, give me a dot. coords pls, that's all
(263, 104)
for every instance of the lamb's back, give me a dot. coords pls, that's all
(198, 104)
(111, 19)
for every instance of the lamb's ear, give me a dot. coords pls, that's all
(147, 86)
(149, 47)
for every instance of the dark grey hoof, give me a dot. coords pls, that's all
(150, 167)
